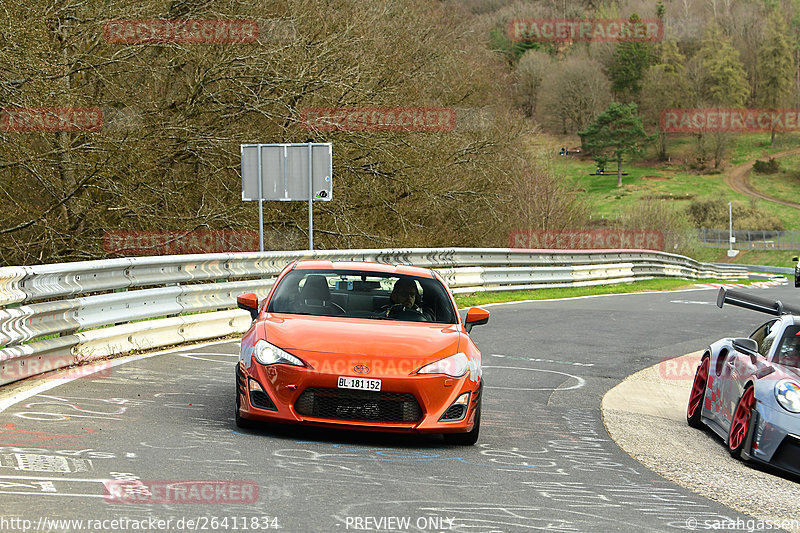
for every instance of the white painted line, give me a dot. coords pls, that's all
(192, 356)
(55, 494)
(580, 380)
(219, 354)
(24, 395)
(68, 480)
(55, 382)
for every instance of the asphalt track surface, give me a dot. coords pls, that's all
(544, 461)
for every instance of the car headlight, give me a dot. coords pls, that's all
(267, 354)
(788, 394)
(454, 366)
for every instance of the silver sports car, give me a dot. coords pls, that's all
(748, 389)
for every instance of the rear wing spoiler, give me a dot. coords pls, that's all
(754, 303)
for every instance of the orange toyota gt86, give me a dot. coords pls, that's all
(361, 345)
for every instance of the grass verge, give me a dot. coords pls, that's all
(784, 185)
(665, 284)
(778, 258)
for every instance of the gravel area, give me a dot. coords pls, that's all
(645, 415)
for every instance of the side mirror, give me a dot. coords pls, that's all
(248, 302)
(746, 346)
(475, 317)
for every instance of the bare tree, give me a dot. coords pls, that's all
(575, 94)
(167, 156)
(533, 66)
(547, 201)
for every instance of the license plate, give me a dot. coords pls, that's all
(359, 383)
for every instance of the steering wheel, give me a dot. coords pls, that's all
(401, 313)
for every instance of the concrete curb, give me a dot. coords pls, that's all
(646, 416)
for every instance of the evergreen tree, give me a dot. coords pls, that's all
(665, 85)
(617, 132)
(631, 59)
(776, 65)
(725, 80)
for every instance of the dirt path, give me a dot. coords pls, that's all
(736, 178)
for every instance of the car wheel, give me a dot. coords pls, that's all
(695, 407)
(469, 438)
(740, 425)
(241, 422)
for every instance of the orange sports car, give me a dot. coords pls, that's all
(363, 346)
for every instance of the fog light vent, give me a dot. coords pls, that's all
(457, 410)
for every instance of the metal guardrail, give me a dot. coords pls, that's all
(58, 315)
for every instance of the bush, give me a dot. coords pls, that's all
(714, 214)
(767, 167)
(679, 235)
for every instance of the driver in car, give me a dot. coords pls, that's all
(404, 299)
(789, 352)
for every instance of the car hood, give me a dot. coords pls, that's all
(361, 337)
(786, 372)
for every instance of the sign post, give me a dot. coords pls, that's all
(287, 172)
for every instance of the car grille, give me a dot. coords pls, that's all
(371, 406)
(787, 456)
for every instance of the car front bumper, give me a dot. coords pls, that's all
(775, 438)
(412, 404)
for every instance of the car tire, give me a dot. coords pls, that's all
(469, 438)
(695, 407)
(740, 423)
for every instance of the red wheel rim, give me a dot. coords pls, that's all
(741, 419)
(698, 387)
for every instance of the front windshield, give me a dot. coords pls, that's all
(788, 353)
(363, 294)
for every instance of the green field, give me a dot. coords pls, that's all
(778, 258)
(667, 284)
(675, 182)
(785, 185)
